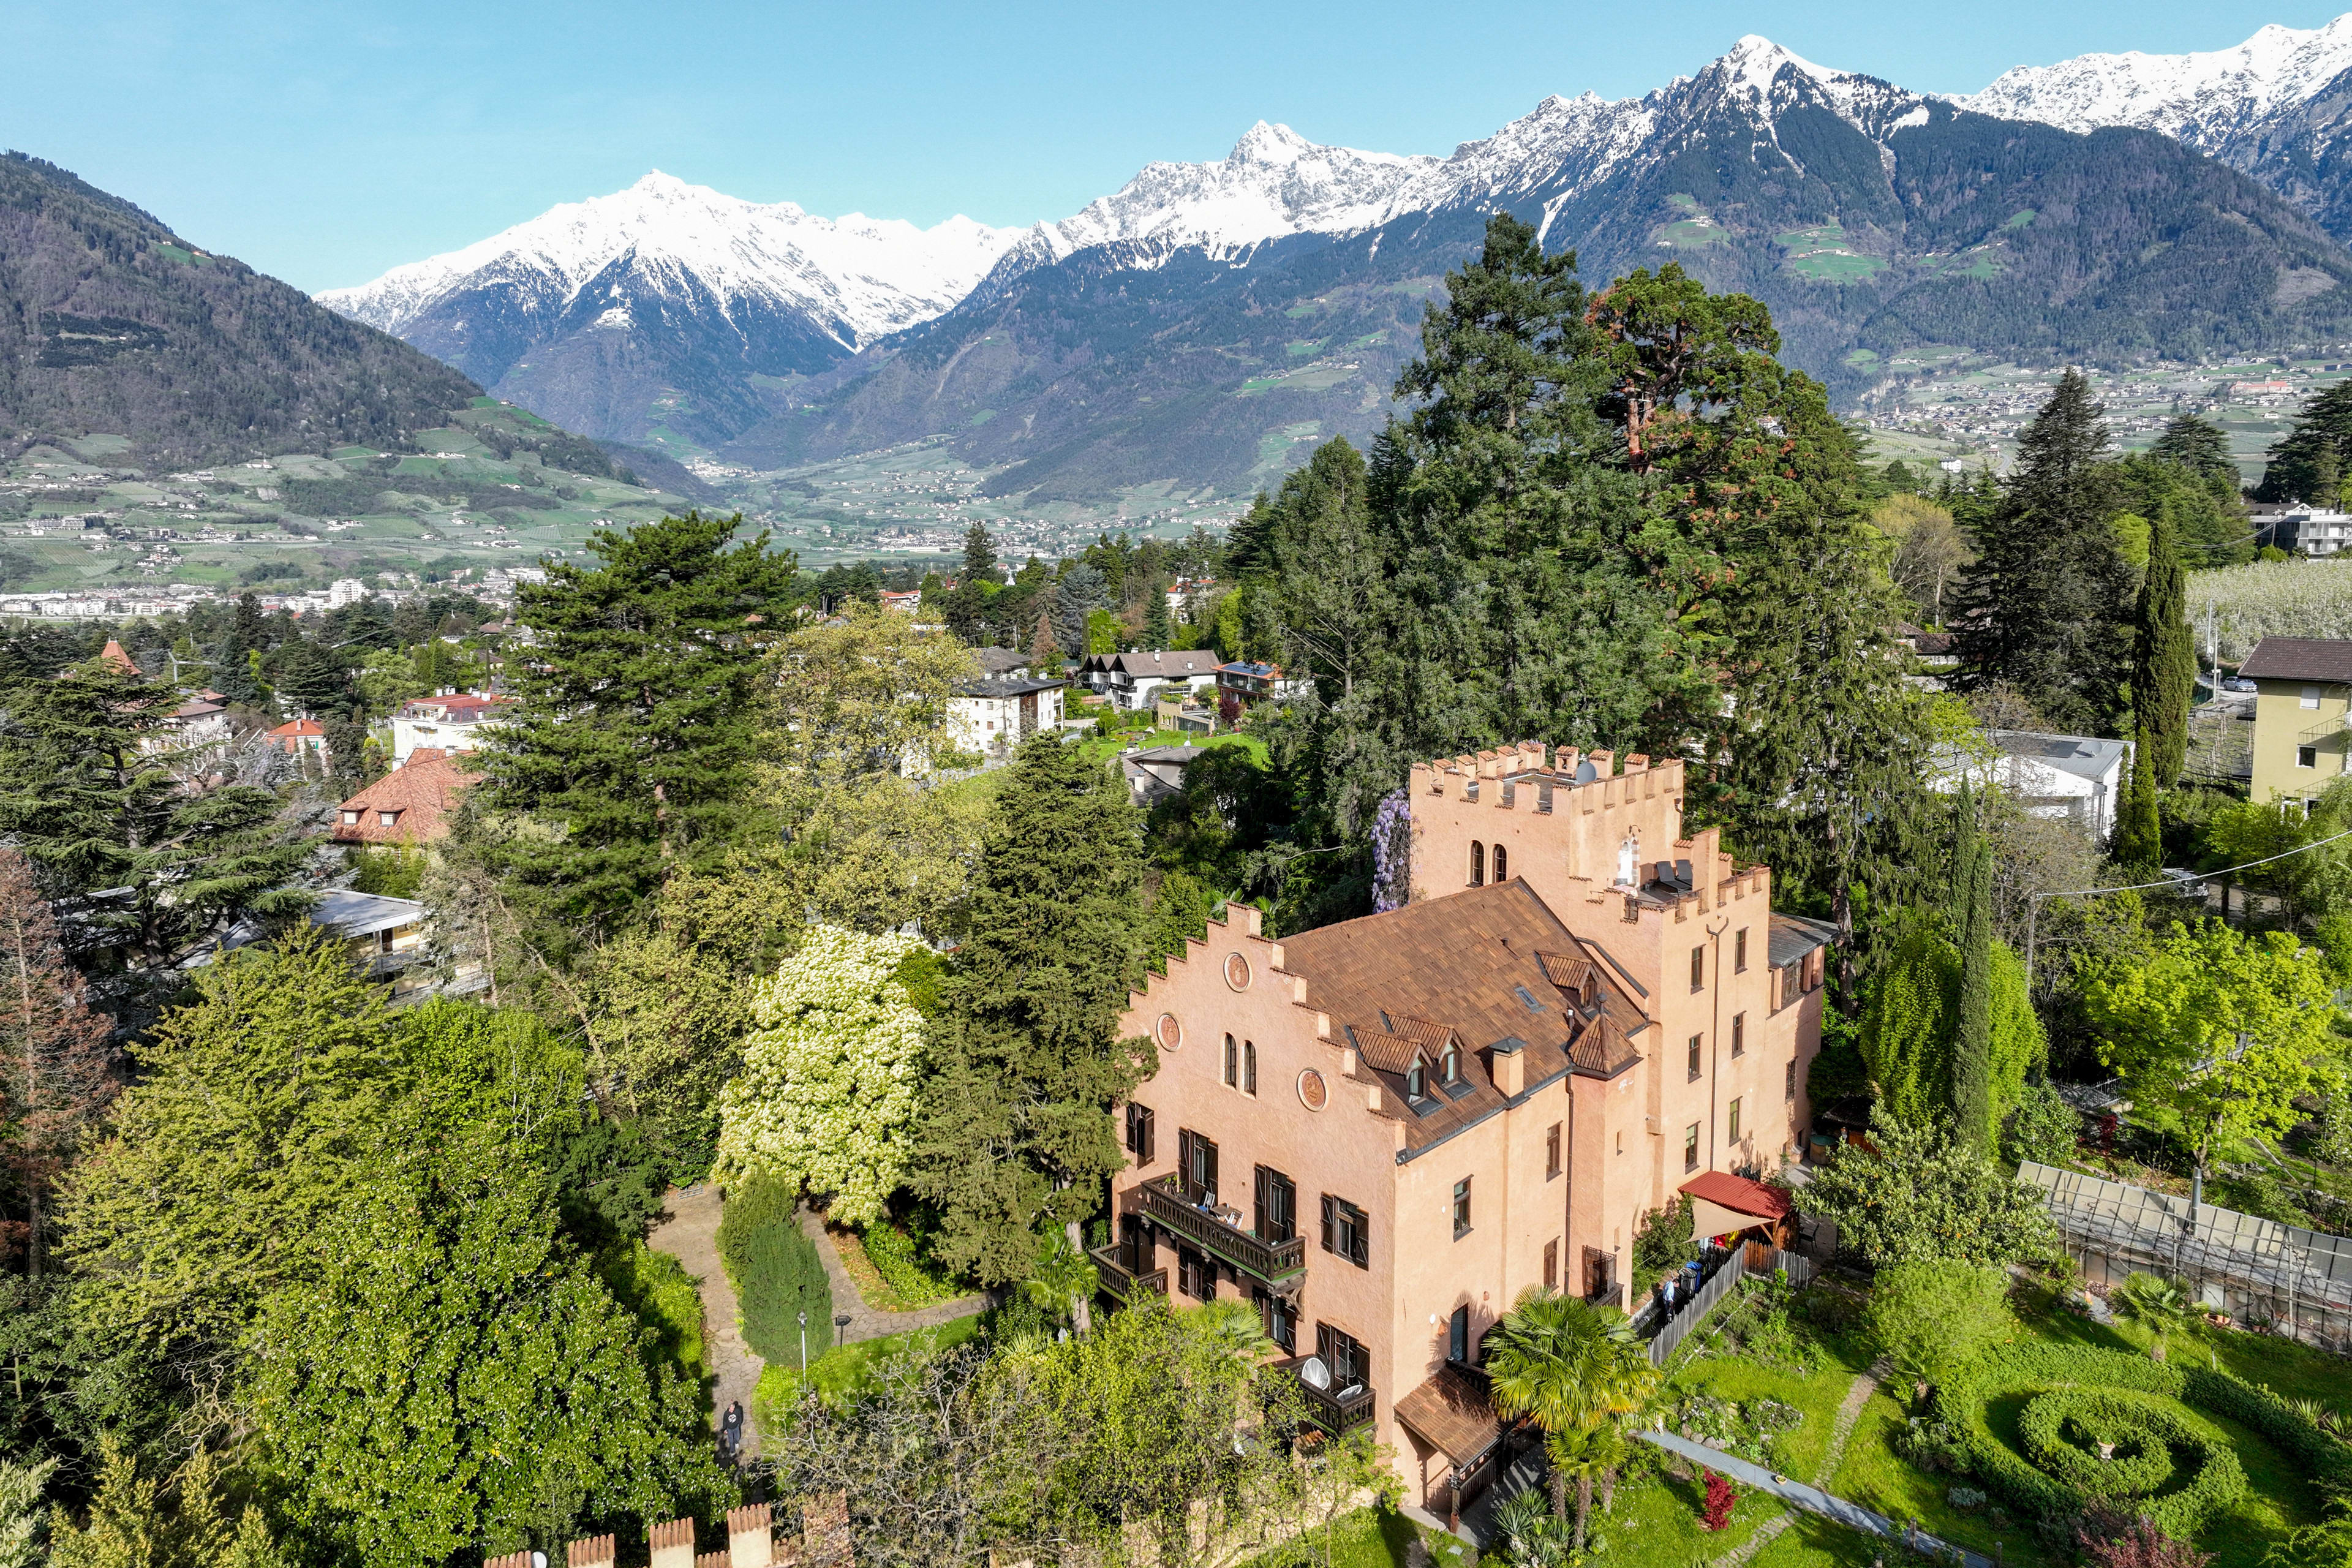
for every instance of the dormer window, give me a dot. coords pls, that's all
(1416, 1081)
(1453, 1064)
(1629, 856)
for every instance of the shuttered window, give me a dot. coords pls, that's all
(1346, 1231)
(1139, 1133)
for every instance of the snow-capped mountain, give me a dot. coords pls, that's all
(857, 278)
(669, 310)
(2274, 107)
(2204, 99)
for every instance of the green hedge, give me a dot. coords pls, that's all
(2220, 1480)
(776, 1272)
(2142, 1435)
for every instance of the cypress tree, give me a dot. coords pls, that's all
(2140, 833)
(1016, 1132)
(2164, 654)
(1158, 632)
(2042, 608)
(1972, 1038)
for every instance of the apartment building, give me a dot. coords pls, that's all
(1381, 1132)
(2303, 716)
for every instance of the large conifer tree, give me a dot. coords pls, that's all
(2164, 654)
(1015, 1129)
(2042, 608)
(639, 721)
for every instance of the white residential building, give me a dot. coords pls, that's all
(1134, 681)
(2078, 778)
(456, 722)
(993, 716)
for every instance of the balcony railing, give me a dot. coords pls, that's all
(1119, 1280)
(1325, 1408)
(1272, 1261)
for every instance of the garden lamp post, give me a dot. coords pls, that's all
(804, 1345)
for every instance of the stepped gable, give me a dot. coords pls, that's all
(1471, 972)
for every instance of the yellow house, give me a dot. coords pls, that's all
(2303, 688)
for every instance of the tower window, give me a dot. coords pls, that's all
(1501, 859)
(1477, 864)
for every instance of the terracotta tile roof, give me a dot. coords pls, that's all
(420, 795)
(113, 654)
(289, 737)
(2299, 658)
(1476, 968)
(1453, 1411)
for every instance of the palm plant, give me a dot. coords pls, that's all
(1064, 1280)
(1578, 1372)
(2157, 1304)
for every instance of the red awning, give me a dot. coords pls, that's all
(1738, 1195)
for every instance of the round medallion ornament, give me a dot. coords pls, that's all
(1168, 1032)
(1313, 1093)
(1237, 971)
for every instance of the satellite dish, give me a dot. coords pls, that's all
(1315, 1374)
(1586, 772)
(539, 1560)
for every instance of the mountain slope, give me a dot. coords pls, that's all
(667, 308)
(109, 321)
(2277, 107)
(1871, 219)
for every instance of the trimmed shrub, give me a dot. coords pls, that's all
(776, 1271)
(2062, 1430)
(2080, 1378)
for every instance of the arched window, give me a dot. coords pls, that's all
(1249, 1066)
(1500, 875)
(1415, 1084)
(1477, 864)
(1232, 1062)
(1629, 856)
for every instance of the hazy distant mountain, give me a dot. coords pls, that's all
(1203, 324)
(2278, 106)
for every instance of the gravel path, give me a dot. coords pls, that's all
(1849, 1413)
(872, 1322)
(690, 1234)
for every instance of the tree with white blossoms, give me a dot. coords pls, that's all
(826, 1096)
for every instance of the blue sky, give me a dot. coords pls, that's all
(325, 142)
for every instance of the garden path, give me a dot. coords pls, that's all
(866, 1322)
(1811, 1499)
(1849, 1413)
(690, 1234)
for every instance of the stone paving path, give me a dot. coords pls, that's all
(1841, 1432)
(872, 1322)
(690, 1234)
(1811, 1498)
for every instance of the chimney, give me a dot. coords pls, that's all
(749, 1544)
(593, 1551)
(672, 1543)
(1604, 762)
(1567, 761)
(1507, 1062)
(1704, 848)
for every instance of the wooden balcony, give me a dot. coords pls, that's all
(1329, 1412)
(1120, 1282)
(1273, 1262)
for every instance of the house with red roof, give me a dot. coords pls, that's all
(411, 805)
(293, 739)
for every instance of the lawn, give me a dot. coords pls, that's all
(1375, 1538)
(846, 1367)
(1660, 1511)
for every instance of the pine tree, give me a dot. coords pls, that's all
(1045, 648)
(2197, 444)
(978, 554)
(1158, 634)
(1015, 1129)
(2042, 608)
(2164, 654)
(2308, 462)
(54, 1060)
(638, 728)
(2140, 831)
(1972, 1064)
(96, 810)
